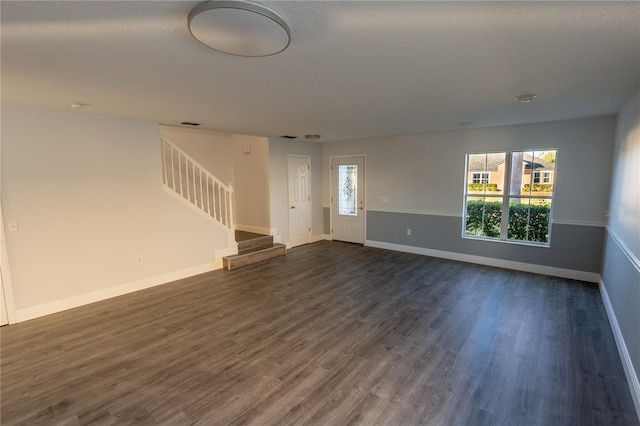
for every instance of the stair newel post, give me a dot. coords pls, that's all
(164, 162)
(230, 224)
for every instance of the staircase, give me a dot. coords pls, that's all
(253, 248)
(188, 181)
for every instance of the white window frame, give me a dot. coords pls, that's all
(546, 177)
(506, 196)
(536, 176)
(482, 177)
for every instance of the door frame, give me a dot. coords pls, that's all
(5, 281)
(309, 186)
(332, 195)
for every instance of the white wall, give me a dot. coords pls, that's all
(425, 173)
(278, 184)
(623, 213)
(86, 193)
(251, 190)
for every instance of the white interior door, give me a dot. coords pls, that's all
(299, 200)
(347, 199)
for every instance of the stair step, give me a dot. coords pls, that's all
(254, 256)
(246, 246)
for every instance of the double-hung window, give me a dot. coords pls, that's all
(481, 177)
(516, 206)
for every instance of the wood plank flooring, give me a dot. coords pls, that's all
(331, 334)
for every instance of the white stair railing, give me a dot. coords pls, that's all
(183, 176)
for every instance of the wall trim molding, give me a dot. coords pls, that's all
(418, 211)
(219, 254)
(629, 371)
(312, 239)
(576, 223)
(500, 263)
(254, 229)
(632, 258)
(459, 216)
(5, 270)
(107, 293)
(316, 238)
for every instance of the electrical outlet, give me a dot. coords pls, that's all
(408, 231)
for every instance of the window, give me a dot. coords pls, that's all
(536, 177)
(516, 207)
(481, 178)
(347, 189)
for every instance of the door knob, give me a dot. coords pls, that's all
(293, 207)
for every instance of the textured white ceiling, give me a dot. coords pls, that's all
(353, 69)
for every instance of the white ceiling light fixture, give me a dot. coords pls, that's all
(239, 28)
(526, 98)
(77, 105)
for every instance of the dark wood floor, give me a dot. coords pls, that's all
(331, 334)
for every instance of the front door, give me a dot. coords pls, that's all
(299, 200)
(347, 199)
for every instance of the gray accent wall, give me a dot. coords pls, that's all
(620, 264)
(327, 220)
(622, 280)
(575, 247)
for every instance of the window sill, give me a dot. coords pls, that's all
(499, 240)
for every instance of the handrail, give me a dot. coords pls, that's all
(187, 178)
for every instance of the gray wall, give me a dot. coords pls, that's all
(620, 265)
(424, 174)
(574, 247)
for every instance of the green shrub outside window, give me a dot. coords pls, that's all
(526, 222)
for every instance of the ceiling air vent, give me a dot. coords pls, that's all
(288, 137)
(189, 123)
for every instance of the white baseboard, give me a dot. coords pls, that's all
(327, 237)
(316, 238)
(219, 254)
(312, 239)
(254, 229)
(500, 263)
(629, 371)
(107, 293)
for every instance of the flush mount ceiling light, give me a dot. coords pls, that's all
(526, 98)
(77, 105)
(239, 28)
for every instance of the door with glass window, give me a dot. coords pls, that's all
(347, 199)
